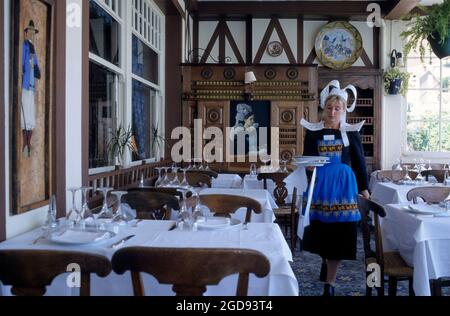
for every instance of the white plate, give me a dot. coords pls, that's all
(219, 224)
(424, 209)
(74, 236)
(311, 159)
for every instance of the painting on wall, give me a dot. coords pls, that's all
(31, 104)
(247, 118)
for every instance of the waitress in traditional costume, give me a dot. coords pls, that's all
(334, 213)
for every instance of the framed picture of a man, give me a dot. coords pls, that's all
(31, 119)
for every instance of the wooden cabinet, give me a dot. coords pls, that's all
(210, 90)
(368, 83)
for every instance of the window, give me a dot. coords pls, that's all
(102, 114)
(428, 113)
(124, 92)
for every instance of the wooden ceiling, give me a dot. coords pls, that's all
(307, 9)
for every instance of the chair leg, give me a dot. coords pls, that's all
(411, 287)
(392, 286)
(436, 288)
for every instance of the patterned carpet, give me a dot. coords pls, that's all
(350, 280)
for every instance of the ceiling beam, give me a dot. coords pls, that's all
(338, 9)
(401, 8)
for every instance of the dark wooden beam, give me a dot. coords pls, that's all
(210, 46)
(300, 40)
(249, 39)
(232, 43)
(173, 104)
(85, 96)
(178, 7)
(59, 151)
(167, 7)
(401, 8)
(3, 210)
(195, 40)
(221, 28)
(284, 9)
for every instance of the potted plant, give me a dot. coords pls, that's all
(121, 139)
(158, 142)
(434, 27)
(396, 81)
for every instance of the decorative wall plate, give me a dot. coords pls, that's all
(229, 73)
(275, 49)
(338, 45)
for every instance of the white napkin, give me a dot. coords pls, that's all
(215, 223)
(426, 209)
(80, 237)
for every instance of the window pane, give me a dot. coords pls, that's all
(104, 39)
(102, 114)
(423, 104)
(145, 61)
(423, 136)
(446, 73)
(144, 106)
(424, 75)
(445, 136)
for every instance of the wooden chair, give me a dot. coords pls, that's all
(29, 272)
(280, 193)
(209, 173)
(193, 269)
(394, 175)
(171, 191)
(438, 174)
(195, 179)
(287, 215)
(225, 205)
(152, 205)
(429, 194)
(391, 264)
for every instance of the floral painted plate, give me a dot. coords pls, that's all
(338, 45)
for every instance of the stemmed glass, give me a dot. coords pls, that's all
(176, 181)
(160, 178)
(253, 170)
(284, 169)
(184, 218)
(398, 166)
(429, 166)
(165, 182)
(185, 184)
(106, 212)
(141, 181)
(86, 213)
(73, 215)
(407, 177)
(120, 218)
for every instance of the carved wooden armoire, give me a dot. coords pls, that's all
(209, 90)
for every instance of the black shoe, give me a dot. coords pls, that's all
(328, 290)
(323, 273)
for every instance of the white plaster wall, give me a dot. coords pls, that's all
(206, 30)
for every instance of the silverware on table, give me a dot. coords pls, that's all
(121, 242)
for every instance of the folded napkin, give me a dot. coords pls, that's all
(80, 237)
(426, 209)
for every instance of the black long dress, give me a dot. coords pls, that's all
(330, 235)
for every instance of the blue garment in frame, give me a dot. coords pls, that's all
(30, 66)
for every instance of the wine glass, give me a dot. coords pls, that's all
(141, 181)
(105, 212)
(165, 182)
(86, 213)
(160, 178)
(253, 171)
(284, 169)
(176, 181)
(185, 184)
(73, 216)
(120, 218)
(184, 217)
(429, 166)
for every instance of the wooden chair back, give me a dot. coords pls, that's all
(151, 205)
(209, 173)
(194, 268)
(195, 179)
(29, 272)
(366, 207)
(429, 194)
(171, 191)
(225, 205)
(438, 174)
(395, 175)
(280, 192)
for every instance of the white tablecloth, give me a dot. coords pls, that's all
(391, 193)
(263, 237)
(227, 181)
(423, 242)
(262, 196)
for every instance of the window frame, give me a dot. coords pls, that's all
(426, 154)
(126, 75)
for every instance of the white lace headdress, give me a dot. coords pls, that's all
(334, 89)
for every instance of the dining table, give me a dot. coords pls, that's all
(264, 237)
(422, 237)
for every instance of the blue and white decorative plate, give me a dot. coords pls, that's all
(338, 45)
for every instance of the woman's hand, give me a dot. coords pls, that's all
(366, 194)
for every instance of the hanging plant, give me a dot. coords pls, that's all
(433, 27)
(396, 81)
(121, 139)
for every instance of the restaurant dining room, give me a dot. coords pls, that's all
(261, 148)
